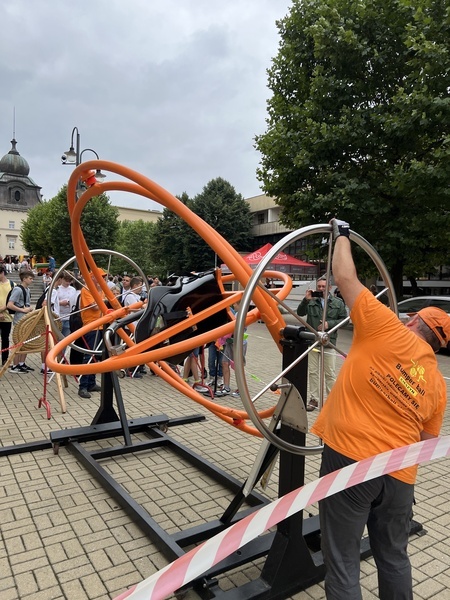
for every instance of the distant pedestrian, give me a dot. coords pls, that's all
(51, 264)
(214, 366)
(312, 306)
(191, 366)
(5, 317)
(8, 265)
(90, 313)
(20, 304)
(46, 279)
(64, 302)
(25, 265)
(227, 350)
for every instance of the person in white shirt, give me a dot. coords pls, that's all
(126, 287)
(134, 293)
(63, 302)
(110, 282)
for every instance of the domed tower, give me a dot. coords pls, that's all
(18, 194)
(17, 190)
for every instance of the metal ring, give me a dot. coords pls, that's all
(63, 269)
(253, 283)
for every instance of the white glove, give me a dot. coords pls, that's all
(340, 228)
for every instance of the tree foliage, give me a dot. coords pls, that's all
(135, 240)
(180, 249)
(33, 232)
(358, 124)
(47, 228)
(168, 247)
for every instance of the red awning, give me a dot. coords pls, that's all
(280, 259)
(281, 262)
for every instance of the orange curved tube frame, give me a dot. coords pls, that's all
(137, 354)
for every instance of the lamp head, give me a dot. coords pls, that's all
(99, 176)
(69, 157)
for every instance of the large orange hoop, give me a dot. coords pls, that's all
(147, 351)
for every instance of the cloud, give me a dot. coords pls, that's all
(176, 92)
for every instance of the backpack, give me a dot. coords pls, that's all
(122, 296)
(10, 310)
(41, 298)
(75, 320)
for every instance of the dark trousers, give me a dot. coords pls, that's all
(383, 504)
(5, 331)
(91, 340)
(214, 361)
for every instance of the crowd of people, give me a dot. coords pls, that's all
(15, 303)
(68, 292)
(25, 263)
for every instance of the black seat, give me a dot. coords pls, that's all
(168, 305)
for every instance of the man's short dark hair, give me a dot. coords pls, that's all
(24, 274)
(135, 281)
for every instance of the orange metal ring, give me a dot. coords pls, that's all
(137, 354)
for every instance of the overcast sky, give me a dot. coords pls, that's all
(175, 89)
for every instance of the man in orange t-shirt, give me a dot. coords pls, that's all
(389, 393)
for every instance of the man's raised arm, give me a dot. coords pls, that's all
(344, 270)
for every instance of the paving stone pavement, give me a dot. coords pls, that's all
(62, 536)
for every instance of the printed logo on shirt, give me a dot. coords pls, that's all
(417, 370)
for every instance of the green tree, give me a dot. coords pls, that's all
(33, 232)
(168, 245)
(99, 223)
(135, 240)
(228, 213)
(182, 250)
(358, 124)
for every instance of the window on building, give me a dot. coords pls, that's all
(11, 243)
(261, 220)
(17, 196)
(12, 225)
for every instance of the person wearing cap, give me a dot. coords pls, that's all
(389, 393)
(90, 312)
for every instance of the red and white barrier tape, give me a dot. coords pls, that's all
(192, 564)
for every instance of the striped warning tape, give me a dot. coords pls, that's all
(192, 564)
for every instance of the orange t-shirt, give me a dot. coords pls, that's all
(88, 314)
(389, 389)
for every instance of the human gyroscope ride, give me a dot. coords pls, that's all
(195, 311)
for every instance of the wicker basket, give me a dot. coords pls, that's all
(32, 327)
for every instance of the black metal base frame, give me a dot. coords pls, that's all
(293, 558)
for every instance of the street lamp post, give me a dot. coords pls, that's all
(73, 157)
(99, 176)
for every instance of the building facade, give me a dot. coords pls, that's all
(267, 228)
(18, 194)
(137, 214)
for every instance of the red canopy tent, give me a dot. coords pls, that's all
(282, 262)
